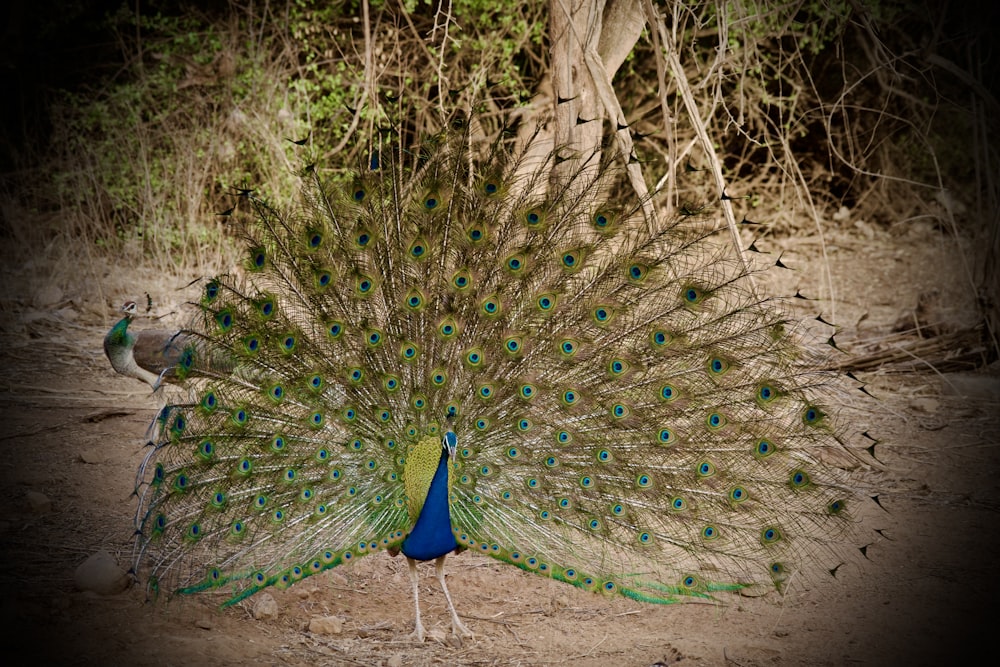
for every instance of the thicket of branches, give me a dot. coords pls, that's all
(796, 109)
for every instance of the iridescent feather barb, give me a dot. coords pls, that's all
(438, 355)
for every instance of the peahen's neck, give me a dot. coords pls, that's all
(118, 333)
(118, 344)
(431, 536)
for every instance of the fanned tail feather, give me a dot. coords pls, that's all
(631, 416)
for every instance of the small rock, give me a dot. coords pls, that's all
(101, 574)
(48, 295)
(326, 625)
(265, 607)
(557, 603)
(39, 502)
(66, 314)
(842, 215)
(93, 456)
(865, 229)
(204, 623)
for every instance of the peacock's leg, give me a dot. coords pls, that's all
(418, 629)
(456, 625)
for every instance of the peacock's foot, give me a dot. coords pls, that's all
(458, 629)
(418, 633)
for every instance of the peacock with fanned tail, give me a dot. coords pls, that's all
(454, 352)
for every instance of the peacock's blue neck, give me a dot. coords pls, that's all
(431, 536)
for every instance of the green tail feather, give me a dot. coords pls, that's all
(631, 418)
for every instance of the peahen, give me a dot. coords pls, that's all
(147, 355)
(454, 352)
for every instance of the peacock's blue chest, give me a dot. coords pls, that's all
(431, 536)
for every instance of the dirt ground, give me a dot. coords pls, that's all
(927, 595)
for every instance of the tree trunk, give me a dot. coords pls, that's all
(570, 104)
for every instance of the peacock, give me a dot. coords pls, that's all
(450, 350)
(147, 355)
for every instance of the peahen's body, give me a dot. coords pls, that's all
(147, 355)
(440, 358)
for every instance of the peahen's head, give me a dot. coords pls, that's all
(130, 309)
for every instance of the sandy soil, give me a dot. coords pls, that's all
(73, 431)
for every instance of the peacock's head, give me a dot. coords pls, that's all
(449, 441)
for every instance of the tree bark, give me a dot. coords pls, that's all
(569, 106)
